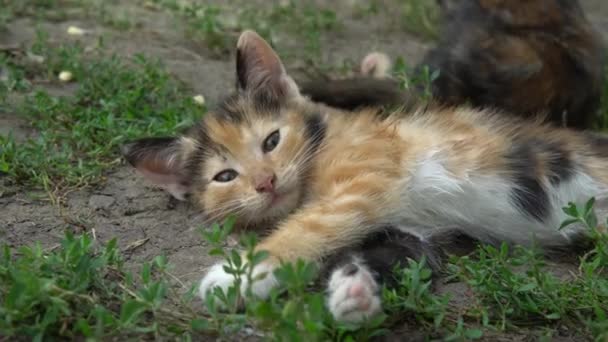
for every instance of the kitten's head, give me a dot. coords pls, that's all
(250, 156)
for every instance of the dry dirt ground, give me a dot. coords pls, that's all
(145, 221)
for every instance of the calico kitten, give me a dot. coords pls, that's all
(522, 56)
(328, 179)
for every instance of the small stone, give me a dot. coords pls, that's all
(65, 76)
(199, 99)
(101, 202)
(75, 31)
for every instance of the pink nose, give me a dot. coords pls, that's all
(266, 184)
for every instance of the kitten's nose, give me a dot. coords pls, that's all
(266, 184)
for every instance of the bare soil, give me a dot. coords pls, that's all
(145, 220)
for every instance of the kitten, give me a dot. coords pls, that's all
(328, 179)
(522, 56)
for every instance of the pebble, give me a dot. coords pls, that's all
(65, 76)
(199, 99)
(75, 31)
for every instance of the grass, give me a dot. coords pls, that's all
(82, 289)
(514, 288)
(77, 136)
(421, 17)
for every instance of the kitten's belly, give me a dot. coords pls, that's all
(484, 207)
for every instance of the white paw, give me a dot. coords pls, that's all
(215, 277)
(263, 280)
(376, 64)
(353, 294)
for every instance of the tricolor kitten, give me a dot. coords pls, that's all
(326, 179)
(522, 56)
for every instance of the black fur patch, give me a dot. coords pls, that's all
(240, 106)
(382, 252)
(315, 130)
(528, 193)
(560, 166)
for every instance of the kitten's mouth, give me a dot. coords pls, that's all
(276, 199)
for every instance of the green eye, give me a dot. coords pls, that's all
(225, 176)
(271, 141)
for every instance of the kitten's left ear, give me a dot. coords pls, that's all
(259, 69)
(163, 161)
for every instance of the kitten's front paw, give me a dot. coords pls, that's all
(263, 280)
(353, 294)
(215, 277)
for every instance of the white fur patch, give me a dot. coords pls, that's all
(484, 205)
(353, 298)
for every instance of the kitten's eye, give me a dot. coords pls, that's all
(271, 141)
(225, 176)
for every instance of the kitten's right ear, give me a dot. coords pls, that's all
(260, 70)
(162, 161)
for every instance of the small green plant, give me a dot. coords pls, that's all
(418, 81)
(412, 294)
(80, 289)
(421, 17)
(79, 135)
(514, 288)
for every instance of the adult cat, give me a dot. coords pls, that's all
(524, 57)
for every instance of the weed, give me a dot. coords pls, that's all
(419, 80)
(421, 17)
(515, 288)
(80, 289)
(413, 294)
(78, 136)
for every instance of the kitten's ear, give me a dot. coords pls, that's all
(162, 161)
(259, 68)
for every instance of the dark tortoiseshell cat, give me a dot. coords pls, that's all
(525, 57)
(326, 179)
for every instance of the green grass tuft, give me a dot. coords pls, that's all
(77, 136)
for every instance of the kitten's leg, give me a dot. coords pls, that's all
(319, 230)
(354, 277)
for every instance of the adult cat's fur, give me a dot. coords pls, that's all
(328, 179)
(522, 56)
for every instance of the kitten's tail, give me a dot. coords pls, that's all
(372, 88)
(356, 93)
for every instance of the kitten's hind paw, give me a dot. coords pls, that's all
(353, 294)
